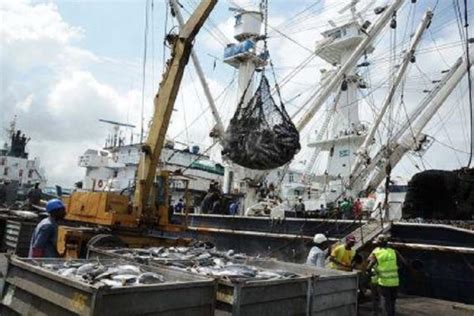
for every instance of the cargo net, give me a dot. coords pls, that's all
(261, 135)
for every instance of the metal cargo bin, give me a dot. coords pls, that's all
(259, 297)
(17, 237)
(32, 290)
(268, 297)
(332, 292)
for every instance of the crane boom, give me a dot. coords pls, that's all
(163, 104)
(412, 136)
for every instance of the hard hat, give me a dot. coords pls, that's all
(54, 205)
(319, 238)
(351, 238)
(300, 197)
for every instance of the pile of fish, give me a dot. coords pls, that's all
(227, 265)
(110, 274)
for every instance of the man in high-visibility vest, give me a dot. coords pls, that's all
(342, 256)
(383, 260)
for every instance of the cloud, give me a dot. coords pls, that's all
(60, 90)
(49, 83)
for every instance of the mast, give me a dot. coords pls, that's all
(319, 137)
(350, 63)
(244, 57)
(347, 44)
(407, 58)
(413, 137)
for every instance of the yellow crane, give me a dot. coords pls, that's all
(90, 214)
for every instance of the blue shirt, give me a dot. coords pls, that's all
(179, 207)
(44, 237)
(233, 208)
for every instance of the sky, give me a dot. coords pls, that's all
(66, 64)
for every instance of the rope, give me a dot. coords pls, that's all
(469, 79)
(145, 48)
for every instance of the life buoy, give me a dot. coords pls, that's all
(100, 183)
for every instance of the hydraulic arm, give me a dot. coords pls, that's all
(164, 103)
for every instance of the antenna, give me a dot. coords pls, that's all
(116, 123)
(115, 139)
(356, 14)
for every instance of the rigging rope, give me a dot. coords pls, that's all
(145, 48)
(466, 26)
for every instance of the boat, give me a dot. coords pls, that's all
(114, 167)
(18, 170)
(355, 165)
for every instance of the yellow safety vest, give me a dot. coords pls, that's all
(386, 268)
(342, 255)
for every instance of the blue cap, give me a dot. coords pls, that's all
(54, 205)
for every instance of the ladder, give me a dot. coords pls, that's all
(367, 232)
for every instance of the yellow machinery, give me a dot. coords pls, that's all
(111, 218)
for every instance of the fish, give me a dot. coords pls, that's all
(150, 278)
(125, 279)
(86, 268)
(110, 274)
(204, 259)
(67, 272)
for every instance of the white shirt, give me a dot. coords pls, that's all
(316, 257)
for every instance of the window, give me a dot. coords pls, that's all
(5, 171)
(238, 19)
(291, 177)
(2, 161)
(30, 173)
(20, 173)
(115, 173)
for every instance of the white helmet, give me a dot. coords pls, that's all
(319, 238)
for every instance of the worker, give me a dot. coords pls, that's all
(342, 256)
(357, 209)
(317, 255)
(43, 240)
(322, 211)
(383, 260)
(300, 208)
(234, 208)
(346, 208)
(34, 197)
(179, 207)
(3, 193)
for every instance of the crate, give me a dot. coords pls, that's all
(333, 293)
(320, 292)
(33, 290)
(17, 237)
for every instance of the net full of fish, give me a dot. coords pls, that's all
(108, 274)
(226, 265)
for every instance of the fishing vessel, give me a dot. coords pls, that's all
(18, 170)
(114, 167)
(358, 157)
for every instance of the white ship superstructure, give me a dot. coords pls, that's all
(114, 167)
(16, 166)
